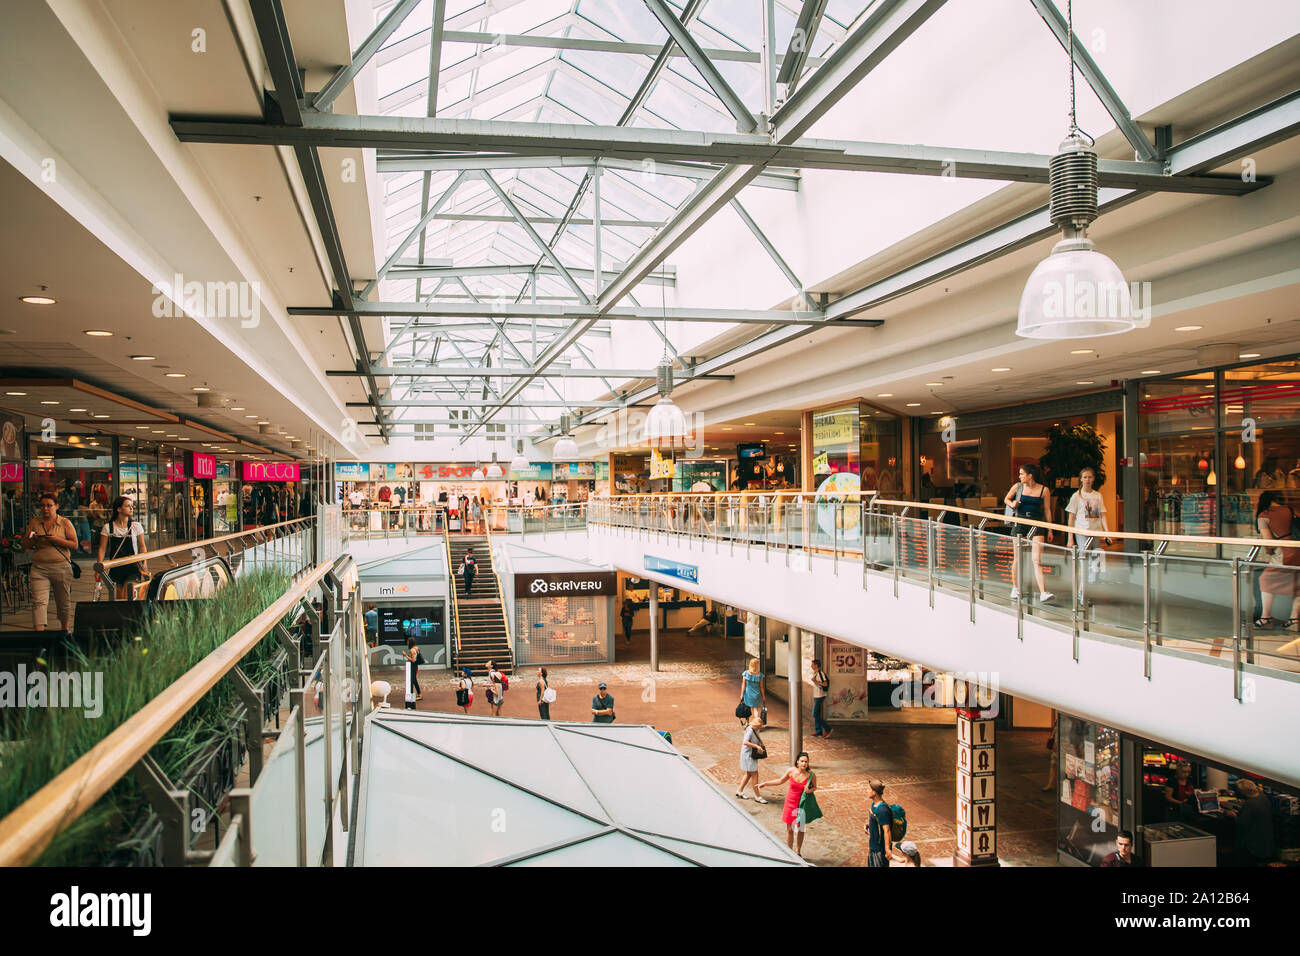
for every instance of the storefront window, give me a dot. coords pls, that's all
(78, 471)
(836, 446)
(1088, 784)
(561, 630)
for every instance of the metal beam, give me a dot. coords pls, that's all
(369, 47)
(736, 149)
(801, 41)
(410, 237)
(273, 33)
(884, 27)
(595, 46)
(1248, 133)
(745, 121)
(494, 371)
(668, 50)
(471, 403)
(524, 224)
(543, 220)
(570, 312)
(1083, 61)
(767, 245)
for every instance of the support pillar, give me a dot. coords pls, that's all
(977, 842)
(654, 626)
(794, 668)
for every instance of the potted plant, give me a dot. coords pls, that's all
(1070, 449)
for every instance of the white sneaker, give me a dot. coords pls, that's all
(1015, 594)
(1046, 596)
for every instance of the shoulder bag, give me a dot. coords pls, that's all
(809, 809)
(759, 753)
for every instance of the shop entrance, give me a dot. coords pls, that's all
(692, 629)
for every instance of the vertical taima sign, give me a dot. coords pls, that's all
(977, 840)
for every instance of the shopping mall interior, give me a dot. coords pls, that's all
(909, 386)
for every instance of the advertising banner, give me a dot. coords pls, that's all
(351, 471)
(687, 572)
(661, 466)
(536, 471)
(269, 470)
(833, 429)
(583, 583)
(846, 666)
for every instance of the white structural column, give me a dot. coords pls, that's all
(654, 627)
(794, 667)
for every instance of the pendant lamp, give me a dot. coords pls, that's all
(1076, 292)
(519, 462)
(494, 470)
(665, 426)
(566, 449)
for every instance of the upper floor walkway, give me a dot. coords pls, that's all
(1156, 644)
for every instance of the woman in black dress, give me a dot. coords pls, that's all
(1031, 499)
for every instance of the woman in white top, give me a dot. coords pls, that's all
(1089, 511)
(122, 537)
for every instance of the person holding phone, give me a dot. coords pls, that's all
(1089, 512)
(51, 539)
(122, 537)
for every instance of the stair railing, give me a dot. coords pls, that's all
(501, 592)
(454, 603)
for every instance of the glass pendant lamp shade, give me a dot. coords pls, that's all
(566, 449)
(1077, 293)
(519, 462)
(494, 469)
(665, 426)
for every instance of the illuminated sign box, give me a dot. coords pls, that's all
(269, 470)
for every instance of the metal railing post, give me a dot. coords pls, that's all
(1020, 600)
(862, 523)
(897, 523)
(1076, 597)
(296, 699)
(971, 561)
(836, 517)
(1236, 628)
(1146, 614)
(931, 536)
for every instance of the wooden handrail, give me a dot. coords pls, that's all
(998, 515)
(191, 545)
(28, 830)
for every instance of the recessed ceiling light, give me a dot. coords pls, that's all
(250, 416)
(933, 384)
(200, 388)
(100, 416)
(98, 333)
(159, 431)
(1151, 371)
(1080, 351)
(884, 395)
(237, 408)
(49, 401)
(1189, 328)
(1085, 383)
(15, 393)
(144, 358)
(263, 423)
(726, 428)
(175, 375)
(913, 404)
(1001, 368)
(140, 428)
(171, 436)
(1246, 355)
(36, 299)
(76, 409)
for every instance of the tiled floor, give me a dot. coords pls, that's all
(694, 696)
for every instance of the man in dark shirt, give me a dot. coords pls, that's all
(602, 706)
(880, 842)
(1254, 836)
(1123, 855)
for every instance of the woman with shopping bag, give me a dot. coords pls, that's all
(800, 805)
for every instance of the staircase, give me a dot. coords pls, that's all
(481, 614)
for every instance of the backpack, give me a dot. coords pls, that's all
(898, 823)
(505, 682)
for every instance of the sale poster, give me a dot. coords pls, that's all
(846, 666)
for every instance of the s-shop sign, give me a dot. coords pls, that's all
(580, 583)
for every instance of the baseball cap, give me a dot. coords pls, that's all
(600, 686)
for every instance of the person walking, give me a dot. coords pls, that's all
(801, 778)
(465, 689)
(51, 539)
(121, 537)
(1030, 499)
(1089, 512)
(495, 692)
(414, 657)
(820, 683)
(602, 706)
(879, 833)
(627, 614)
(752, 751)
(468, 568)
(1274, 518)
(545, 696)
(753, 692)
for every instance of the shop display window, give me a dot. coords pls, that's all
(566, 629)
(1088, 788)
(836, 442)
(78, 471)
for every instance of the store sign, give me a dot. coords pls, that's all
(11, 471)
(661, 466)
(176, 471)
(673, 569)
(433, 472)
(351, 471)
(201, 465)
(270, 471)
(832, 430)
(629, 464)
(574, 584)
(536, 471)
(977, 837)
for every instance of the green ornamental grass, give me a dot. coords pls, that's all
(171, 641)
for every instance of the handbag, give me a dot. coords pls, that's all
(76, 568)
(1011, 510)
(548, 695)
(762, 716)
(761, 752)
(809, 809)
(743, 711)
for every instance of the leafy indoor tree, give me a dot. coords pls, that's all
(1070, 449)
